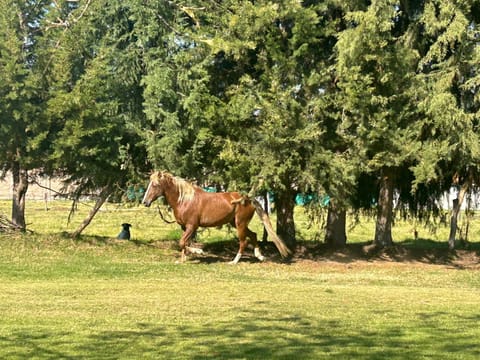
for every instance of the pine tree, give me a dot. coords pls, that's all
(22, 122)
(272, 59)
(96, 100)
(450, 154)
(376, 69)
(183, 90)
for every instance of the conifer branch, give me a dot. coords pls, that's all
(66, 23)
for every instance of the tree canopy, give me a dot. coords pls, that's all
(373, 102)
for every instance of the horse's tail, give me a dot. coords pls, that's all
(282, 248)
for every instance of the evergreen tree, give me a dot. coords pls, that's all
(450, 153)
(272, 60)
(180, 109)
(22, 122)
(96, 100)
(376, 69)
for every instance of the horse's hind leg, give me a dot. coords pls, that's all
(242, 238)
(243, 233)
(253, 239)
(241, 248)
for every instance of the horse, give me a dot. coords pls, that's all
(193, 208)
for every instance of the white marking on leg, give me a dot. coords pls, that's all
(183, 258)
(194, 250)
(237, 258)
(258, 254)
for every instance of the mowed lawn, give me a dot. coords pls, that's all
(102, 298)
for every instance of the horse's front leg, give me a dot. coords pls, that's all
(190, 249)
(188, 231)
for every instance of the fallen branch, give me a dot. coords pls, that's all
(6, 226)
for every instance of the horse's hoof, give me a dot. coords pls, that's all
(258, 254)
(236, 259)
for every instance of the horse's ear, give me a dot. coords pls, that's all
(156, 175)
(164, 174)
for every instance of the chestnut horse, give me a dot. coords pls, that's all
(193, 208)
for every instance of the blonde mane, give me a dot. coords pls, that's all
(186, 190)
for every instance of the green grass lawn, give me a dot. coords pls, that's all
(100, 298)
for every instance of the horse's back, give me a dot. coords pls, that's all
(220, 208)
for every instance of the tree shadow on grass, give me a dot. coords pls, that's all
(252, 334)
(411, 251)
(225, 251)
(423, 251)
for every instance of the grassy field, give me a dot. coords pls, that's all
(102, 298)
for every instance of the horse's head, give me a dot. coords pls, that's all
(155, 188)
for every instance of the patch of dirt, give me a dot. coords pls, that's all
(316, 254)
(396, 254)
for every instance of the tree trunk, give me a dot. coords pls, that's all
(20, 187)
(457, 205)
(104, 194)
(383, 227)
(285, 204)
(335, 234)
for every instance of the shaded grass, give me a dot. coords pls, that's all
(98, 297)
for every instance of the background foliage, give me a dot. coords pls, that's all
(364, 100)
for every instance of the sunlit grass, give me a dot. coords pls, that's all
(98, 297)
(148, 226)
(66, 299)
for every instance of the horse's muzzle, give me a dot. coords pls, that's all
(147, 203)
